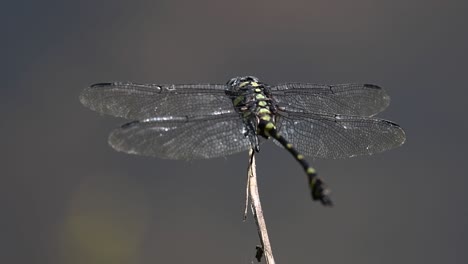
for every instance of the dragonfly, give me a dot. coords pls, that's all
(203, 121)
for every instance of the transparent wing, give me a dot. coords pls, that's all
(339, 136)
(141, 101)
(344, 99)
(182, 138)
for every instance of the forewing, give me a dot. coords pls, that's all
(142, 101)
(343, 99)
(339, 136)
(182, 138)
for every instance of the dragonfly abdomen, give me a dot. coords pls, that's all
(318, 189)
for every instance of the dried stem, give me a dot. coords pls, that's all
(257, 212)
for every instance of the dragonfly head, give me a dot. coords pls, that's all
(239, 82)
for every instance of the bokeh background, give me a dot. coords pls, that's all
(67, 197)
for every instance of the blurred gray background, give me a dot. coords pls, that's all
(67, 197)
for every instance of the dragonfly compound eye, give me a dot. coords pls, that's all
(234, 82)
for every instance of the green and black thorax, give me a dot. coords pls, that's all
(253, 101)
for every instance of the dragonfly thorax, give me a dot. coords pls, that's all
(252, 100)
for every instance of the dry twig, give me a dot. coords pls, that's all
(255, 205)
